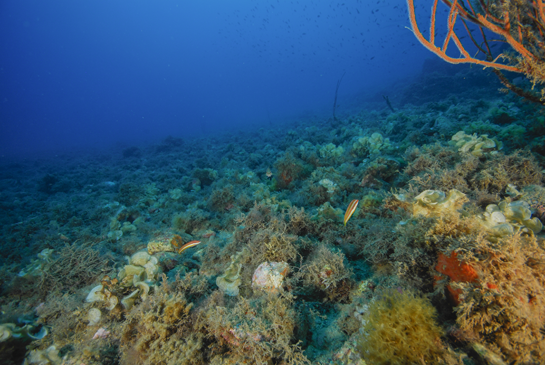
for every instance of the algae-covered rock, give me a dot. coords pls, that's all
(229, 282)
(142, 266)
(96, 294)
(269, 276)
(175, 194)
(327, 212)
(533, 194)
(205, 176)
(128, 227)
(329, 185)
(330, 151)
(115, 236)
(475, 145)
(162, 243)
(128, 301)
(6, 330)
(131, 270)
(431, 203)
(27, 332)
(260, 191)
(100, 294)
(36, 266)
(140, 258)
(161, 331)
(144, 289)
(378, 144)
(94, 316)
(508, 218)
(373, 145)
(152, 270)
(49, 356)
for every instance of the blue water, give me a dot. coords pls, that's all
(91, 74)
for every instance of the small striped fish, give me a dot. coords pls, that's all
(350, 210)
(188, 245)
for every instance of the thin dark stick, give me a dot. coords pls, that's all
(336, 92)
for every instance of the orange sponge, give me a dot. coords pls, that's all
(457, 271)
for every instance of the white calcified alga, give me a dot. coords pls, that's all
(269, 276)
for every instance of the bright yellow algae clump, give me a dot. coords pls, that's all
(400, 328)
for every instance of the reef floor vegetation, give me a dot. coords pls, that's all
(235, 249)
